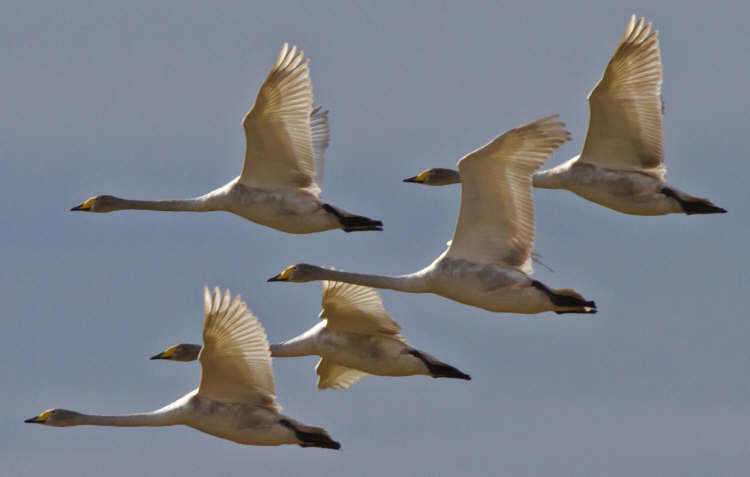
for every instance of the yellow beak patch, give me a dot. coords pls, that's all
(285, 274)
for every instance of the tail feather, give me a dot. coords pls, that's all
(310, 436)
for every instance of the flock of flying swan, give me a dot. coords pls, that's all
(488, 263)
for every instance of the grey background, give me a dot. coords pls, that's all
(144, 99)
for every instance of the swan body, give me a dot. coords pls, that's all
(354, 338)
(236, 398)
(621, 165)
(278, 187)
(488, 262)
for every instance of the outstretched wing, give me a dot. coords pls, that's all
(332, 375)
(235, 359)
(625, 124)
(280, 150)
(357, 309)
(496, 220)
(320, 132)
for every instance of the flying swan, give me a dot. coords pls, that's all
(488, 262)
(277, 187)
(356, 337)
(622, 162)
(235, 399)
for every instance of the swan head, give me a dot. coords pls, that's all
(300, 272)
(435, 177)
(98, 203)
(55, 417)
(180, 352)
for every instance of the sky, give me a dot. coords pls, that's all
(144, 100)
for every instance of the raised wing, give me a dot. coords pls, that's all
(235, 359)
(357, 309)
(319, 131)
(496, 220)
(279, 151)
(625, 123)
(332, 375)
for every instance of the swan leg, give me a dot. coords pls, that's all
(439, 370)
(353, 223)
(310, 436)
(693, 205)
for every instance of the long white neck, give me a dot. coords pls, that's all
(147, 419)
(411, 283)
(170, 415)
(302, 345)
(554, 178)
(203, 203)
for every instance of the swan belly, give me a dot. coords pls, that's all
(628, 192)
(492, 287)
(372, 354)
(238, 422)
(289, 210)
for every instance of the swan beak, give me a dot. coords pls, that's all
(276, 278)
(38, 419)
(86, 206)
(166, 354)
(413, 179)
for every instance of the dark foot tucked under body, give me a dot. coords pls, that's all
(311, 436)
(569, 299)
(440, 370)
(353, 223)
(694, 205)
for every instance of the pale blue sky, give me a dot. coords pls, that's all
(144, 100)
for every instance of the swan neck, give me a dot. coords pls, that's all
(412, 283)
(302, 345)
(545, 180)
(197, 204)
(148, 419)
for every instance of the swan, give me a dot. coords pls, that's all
(356, 337)
(488, 262)
(277, 188)
(621, 165)
(235, 399)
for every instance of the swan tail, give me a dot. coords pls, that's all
(693, 205)
(353, 223)
(310, 436)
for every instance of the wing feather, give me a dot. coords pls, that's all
(280, 150)
(336, 376)
(625, 123)
(235, 358)
(496, 220)
(357, 309)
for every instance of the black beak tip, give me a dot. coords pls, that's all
(409, 179)
(273, 279)
(31, 420)
(77, 207)
(156, 356)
